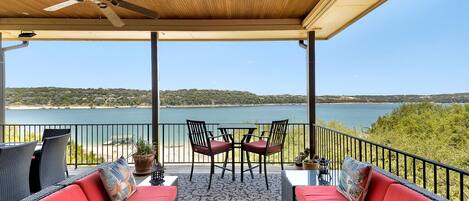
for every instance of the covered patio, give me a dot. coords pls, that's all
(304, 21)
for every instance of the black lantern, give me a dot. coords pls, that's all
(157, 173)
(324, 168)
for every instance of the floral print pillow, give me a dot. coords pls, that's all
(354, 179)
(118, 180)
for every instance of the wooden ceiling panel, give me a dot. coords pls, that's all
(168, 9)
(186, 19)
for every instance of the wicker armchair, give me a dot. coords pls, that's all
(14, 171)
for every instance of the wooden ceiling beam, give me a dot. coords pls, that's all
(58, 24)
(316, 13)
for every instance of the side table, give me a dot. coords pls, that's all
(292, 178)
(168, 181)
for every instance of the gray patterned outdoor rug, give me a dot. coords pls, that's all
(226, 189)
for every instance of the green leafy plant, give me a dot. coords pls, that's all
(143, 148)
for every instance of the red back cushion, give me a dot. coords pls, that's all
(69, 193)
(378, 186)
(93, 187)
(398, 192)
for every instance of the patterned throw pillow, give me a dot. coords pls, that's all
(118, 180)
(354, 179)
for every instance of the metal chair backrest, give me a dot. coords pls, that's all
(52, 160)
(198, 134)
(14, 171)
(54, 132)
(277, 134)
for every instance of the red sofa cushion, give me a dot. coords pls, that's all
(93, 187)
(398, 192)
(69, 193)
(378, 186)
(154, 193)
(319, 193)
(217, 147)
(259, 147)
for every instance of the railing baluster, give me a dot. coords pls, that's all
(424, 174)
(435, 188)
(389, 161)
(447, 184)
(397, 163)
(76, 146)
(405, 166)
(414, 176)
(461, 186)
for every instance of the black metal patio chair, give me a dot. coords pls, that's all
(14, 171)
(203, 142)
(49, 168)
(265, 146)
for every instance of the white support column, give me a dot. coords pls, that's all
(2, 90)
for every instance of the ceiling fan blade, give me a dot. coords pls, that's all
(130, 6)
(112, 16)
(62, 5)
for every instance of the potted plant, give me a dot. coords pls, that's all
(143, 158)
(311, 164)
(300, 158)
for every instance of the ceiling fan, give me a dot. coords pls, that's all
(107, 11)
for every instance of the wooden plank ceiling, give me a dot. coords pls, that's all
(185, 19)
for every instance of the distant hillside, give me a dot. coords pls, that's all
(63, 97)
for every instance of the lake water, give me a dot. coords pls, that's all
(353, 115)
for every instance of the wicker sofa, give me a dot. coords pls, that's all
(88, 187)
(383, 187)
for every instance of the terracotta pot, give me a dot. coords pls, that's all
(143, 163)
(310, 165)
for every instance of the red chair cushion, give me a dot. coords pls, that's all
(217, 147)
(154, 193)
(398, 192)
(259, 147)
(378, 186)
(93, 187)
(318, 193)
(69, 193)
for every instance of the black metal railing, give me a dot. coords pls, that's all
(93, 144)
(90, 144)
(441, 179)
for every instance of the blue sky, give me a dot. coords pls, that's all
(403, 47)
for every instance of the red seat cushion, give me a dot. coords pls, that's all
(154, 193)
(93, 187)
(319, 193)
(398, 192)
(69, 193)
(259, 147)
(378, 186)
(217, 147)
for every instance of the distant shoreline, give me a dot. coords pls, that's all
(27, 107)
